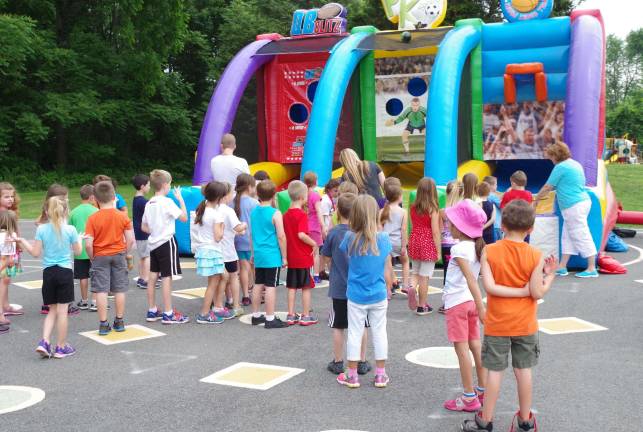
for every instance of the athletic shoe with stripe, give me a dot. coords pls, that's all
(348, 380)
(175, 318)
(153, 316)
(65, 351)
(44, 348)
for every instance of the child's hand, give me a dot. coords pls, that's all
(482, 314)
(284, 262)
(403, 252)
(389, 122)
(550, 265)
(177, 194)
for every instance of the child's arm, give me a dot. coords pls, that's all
(405, 233)
(240, 228)
(278, 221)
(218, 231)
(492, 219)
(130, 241)
(542, 277)
(34, 249)
(497, 290)
(437, 235)
(472, 283)
(77, 247)
(388, 271)
(307, 239)
(89, 247)
(183, 217)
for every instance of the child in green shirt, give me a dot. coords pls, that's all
(78, 219)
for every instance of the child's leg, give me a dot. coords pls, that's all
(208, 297)
(291, 300)
(523, 379)
(4, 295)
(50, 320)
(270, 298)
(220, 291)
(481, 372)
(406, 279)
(151, 287)
(316, 261)
(306, 300)
(244, 276)
(423, 290)
(101, 304)
(464, 360)
(338, 344)
(356, 317)
(492, 390)
(377, 320)
(61, 322)
(144, 268)
(84, 289)
(234, 289)
(119, 300)
(166, 287)
(256, 298)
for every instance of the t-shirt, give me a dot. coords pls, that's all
(487, 233)
(513, 194)
(7, 247)
(456, 289)
(512, 264)
(366, 283)
(159, 215)
(56, 249)
(246, 205)
(313, 221)
(138, 208)
(568, 178)
(226, 168)
(327, 208)
(203, 234)
(299, 254)
(267, 253)
(393, 226)
(230, 221)
(372, 181)
(120, 201)
(339, 261)
(78, 219)
(107, 227)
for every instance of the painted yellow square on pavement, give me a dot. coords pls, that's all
(254, 376)
(556, 326)
(190, 293)
(133, 332)
(32, 285)
(188, 265)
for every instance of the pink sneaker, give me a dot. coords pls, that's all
(411, 296)
(480, 398)
(349, 381)
(381, 381)
(461, 404)
(518, 426)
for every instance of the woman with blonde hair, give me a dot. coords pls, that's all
(367, 175)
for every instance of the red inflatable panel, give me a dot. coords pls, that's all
(630, 217)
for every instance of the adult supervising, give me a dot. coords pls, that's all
(568, 179)
(367, 176)
(226, 167)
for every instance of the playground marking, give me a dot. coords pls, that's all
(254, 376)
(637, 260)
(30, 285)
(15, 398)
(188, 265)
(435, 357)
(153, 357)
(247, 318)
(133, 332)
(639, 281)
(190, 293)
(556, 326)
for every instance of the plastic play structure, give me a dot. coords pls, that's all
(426, 100)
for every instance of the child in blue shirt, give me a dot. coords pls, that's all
(338, 319)
(141, 183)
(369, 264)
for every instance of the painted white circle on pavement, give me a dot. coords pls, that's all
(14, 398)
(436, 357)
(247, 318)
(342, 430)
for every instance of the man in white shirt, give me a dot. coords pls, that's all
(226, 167)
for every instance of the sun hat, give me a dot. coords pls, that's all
(468, 217)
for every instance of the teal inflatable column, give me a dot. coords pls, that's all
(441, 151)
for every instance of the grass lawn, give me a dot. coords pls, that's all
(627, 183)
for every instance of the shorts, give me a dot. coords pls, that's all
(231, 266)
(165, 259)
(81, 268)
(317, 236)
(423, 268)
(396, 250)
(109, 274)
(525, 351)
(244, 255)
(338, 316)
(299, 278)
(446, 257)
(143, 249)
(267, 276)
(462, 322)
(209, 261)
(57, 285)
(411, 128)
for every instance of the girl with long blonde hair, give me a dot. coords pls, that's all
(367, 175)
(9, 201)
(369, 264)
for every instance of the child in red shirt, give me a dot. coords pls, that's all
(300, 249)
(517, 191)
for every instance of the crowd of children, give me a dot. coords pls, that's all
(241, 243)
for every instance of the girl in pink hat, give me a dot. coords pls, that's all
(462, 300)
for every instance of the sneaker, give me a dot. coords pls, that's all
(245, 301)
(175, 318)
(238, 312)
(258, 320)
(349, 381)
(442, 309)
(364, 367)
(476, 425)
(210, 318)
(317, 279)
(93, 307)
(412, 298)
(140, 283)
(44, 348)
(153, 316)
(62, 352)
(110, 295)
(275, 323)
(44, 310)
(293, 319)
(224, 313)
(72, 310)
(12, 310)
(561, 272)
(518, 426)
(4, 328)
(461, 404)
(323, 275)
(119, 324)
(82, 305)
(228, 305)
(308, 320)
(395, 288)
(587, 274)
(381, 381)
(336, 367)
(157, 285)
(424, 310)
(104, 329)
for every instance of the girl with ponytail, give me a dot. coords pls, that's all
(394, 221)
(244, 203)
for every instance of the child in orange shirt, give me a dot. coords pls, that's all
(510, 322)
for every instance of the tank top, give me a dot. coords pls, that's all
(421, 244)
(447, 238)
(393, 225)
(264, 238)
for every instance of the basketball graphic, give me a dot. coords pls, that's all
(524, 6)
(330, 10)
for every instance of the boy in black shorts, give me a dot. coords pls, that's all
(338, 319)
(78, 219)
